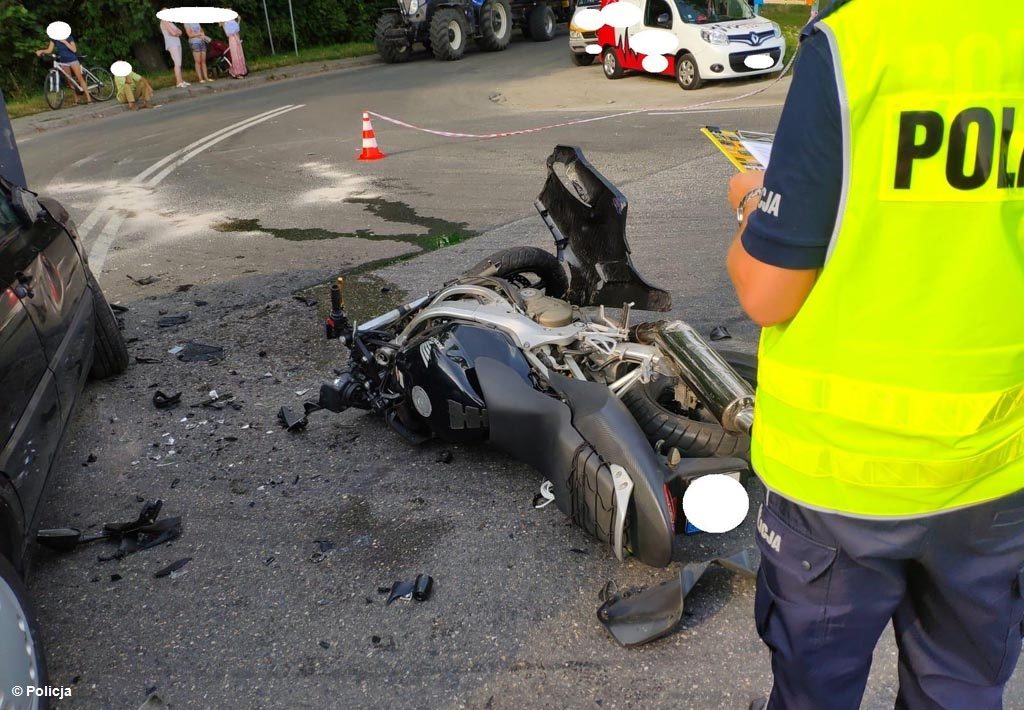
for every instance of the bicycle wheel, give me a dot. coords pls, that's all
(101, 83)
(53, 89)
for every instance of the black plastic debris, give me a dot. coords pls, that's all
(153, 702)
(309, 407)
(145, 280)
(118, 308)
(419, 589)
(325, 644)
(140, 534)
(291, 420)
(218, 401)
(720, 333)
(147, 360)
(183, 288)
(306, 300)
(445, 456)
(163, 401)
(116, 578)
(635, 619)
(171, 568)
(201, 303)
(199, 352)
(173, 319)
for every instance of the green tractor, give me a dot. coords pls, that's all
(445, 26)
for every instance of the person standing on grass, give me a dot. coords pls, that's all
(197, 41)
(67, 57)
(233, 32)
(172, 43)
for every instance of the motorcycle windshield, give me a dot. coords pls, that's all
(590, 213)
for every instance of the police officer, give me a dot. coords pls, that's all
(884, 256)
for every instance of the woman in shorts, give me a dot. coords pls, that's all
(67, 57)
(197, 40)
(172, 43)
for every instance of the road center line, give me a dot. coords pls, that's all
(100, 248)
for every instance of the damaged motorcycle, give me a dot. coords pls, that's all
(520, 352)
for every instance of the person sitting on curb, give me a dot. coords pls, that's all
(131, 86)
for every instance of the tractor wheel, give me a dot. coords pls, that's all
(448, 32)
(542, 23)
(389, 50)
(495, 25)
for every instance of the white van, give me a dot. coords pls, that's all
(693, 40)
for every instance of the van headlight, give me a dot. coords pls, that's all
(775, 27)
(714, 36)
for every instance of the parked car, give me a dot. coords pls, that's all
(698, 41)
(581, 38)
(56, 330)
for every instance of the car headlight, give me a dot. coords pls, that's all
(575, 34)
(775, 26)
(714, 36)
(414, 5)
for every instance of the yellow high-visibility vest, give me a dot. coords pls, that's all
(898, 389)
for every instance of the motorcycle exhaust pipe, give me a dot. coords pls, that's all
(729, 397)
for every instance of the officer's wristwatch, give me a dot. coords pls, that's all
(743, 203)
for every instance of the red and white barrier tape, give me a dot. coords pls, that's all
(578, 121)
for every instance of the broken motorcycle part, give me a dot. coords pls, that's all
(170, 569)
(291, 420)
(199, 352)
(163, 401)
(173, 320)
(642, 617)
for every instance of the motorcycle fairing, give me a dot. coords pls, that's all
(590, 214)
(572, 445)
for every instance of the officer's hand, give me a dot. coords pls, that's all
(742, 183)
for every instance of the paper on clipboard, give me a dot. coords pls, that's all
(747, 150)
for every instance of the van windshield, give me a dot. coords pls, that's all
(701, 12)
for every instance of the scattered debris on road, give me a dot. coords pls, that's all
(169, 321)
(171, 569)
(147, 360)
(291, 420)
(418, 589)
(445, 456)
(199, 352)
(144, 281)
(163, 401)
(306, 300)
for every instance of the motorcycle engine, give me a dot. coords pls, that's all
(436, 371)
(545, 310)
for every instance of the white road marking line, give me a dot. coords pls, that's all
(97, 214)
(98, 253)
(100, 248)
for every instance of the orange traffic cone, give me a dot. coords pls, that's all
(370, 149)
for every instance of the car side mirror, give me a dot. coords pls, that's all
(26, 206)
(665, 20)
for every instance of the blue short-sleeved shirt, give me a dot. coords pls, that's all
(793, 224)
(64, 53)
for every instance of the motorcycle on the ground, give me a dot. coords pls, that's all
(520, 352)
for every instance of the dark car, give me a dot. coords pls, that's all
(56, 330)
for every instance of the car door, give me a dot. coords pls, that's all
(30, 412)
(60, 305)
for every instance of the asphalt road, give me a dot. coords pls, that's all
(292, 534)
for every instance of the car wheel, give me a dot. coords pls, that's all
(448, 32)
(610, 63)
(110, 354)
(582, 59)
(687, 73)
(22, 662)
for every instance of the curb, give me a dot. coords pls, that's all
(41, 122)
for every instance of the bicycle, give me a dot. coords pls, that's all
(98, 80)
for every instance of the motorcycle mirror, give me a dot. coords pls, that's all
(61, 539)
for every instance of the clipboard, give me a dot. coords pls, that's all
(746, 150)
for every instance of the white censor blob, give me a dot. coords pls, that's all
(621, 14)
(654, 42)
(759, 61)
(593, 49)
(120, 68)
(655, 63)
(716, 503)
(58, 31)
(200, 15)
(588, 19)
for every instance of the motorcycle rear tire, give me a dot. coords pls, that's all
(694, 438)
(528, 260)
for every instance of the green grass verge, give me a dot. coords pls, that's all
(28, 105)
(791, 19)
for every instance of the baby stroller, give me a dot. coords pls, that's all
(218, 58)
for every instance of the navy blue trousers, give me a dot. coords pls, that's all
(951, 584)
